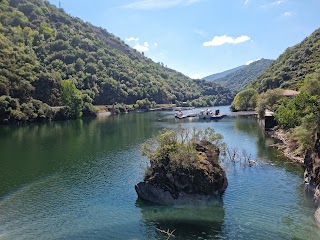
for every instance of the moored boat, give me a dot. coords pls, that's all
(205, 114)
(179, 114)
(208, 114)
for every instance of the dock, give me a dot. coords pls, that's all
(229, 114)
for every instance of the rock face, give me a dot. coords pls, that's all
(312, 171)
(184, 183)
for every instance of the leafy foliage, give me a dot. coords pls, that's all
(302, 113)
(72, 98)
(11, 111)
(269, 100)
(245, 100)
(177, 147)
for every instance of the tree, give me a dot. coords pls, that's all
(72, 98)
(268, 100)
(245, 100)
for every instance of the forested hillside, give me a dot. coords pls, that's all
(243, 77)
(290, 69)
(216, 76)
(41, 45)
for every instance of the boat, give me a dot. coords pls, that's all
(208, 114)
(179, 114)
(205, 114)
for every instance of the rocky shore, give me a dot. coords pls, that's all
(286, 146)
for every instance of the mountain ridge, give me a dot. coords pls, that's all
(216, 76)
(243, 77)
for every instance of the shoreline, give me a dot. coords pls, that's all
(285, 146)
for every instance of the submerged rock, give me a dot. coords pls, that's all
(183, 181)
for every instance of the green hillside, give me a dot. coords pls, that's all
(41, 45)
(290, 69)
(216, 76)
(240, 79)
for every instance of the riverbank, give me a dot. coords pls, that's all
(286, 146)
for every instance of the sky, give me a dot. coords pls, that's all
(202, 37)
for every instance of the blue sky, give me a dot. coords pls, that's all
(202, 37)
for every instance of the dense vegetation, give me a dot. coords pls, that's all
(216, 76)
(301, 114)
(297, 68)
(245, 100)
(178, 146)
(41, 45)
(290, 69)
(243, 77)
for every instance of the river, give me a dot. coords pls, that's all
(75, 180)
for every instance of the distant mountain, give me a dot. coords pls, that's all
(290, 69)
(238, 80)
(216, 76)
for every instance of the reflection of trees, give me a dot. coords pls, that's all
(36, 150)
(247, 124)
(190, 222)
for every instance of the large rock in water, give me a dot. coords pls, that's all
(196, 182)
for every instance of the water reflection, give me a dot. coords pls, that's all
(75, 180)
(189, 222)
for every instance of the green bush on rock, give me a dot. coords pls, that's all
(184, 167)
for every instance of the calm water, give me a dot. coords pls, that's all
(75, 180)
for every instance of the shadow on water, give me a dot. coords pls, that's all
(188, 221)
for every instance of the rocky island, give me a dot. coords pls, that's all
(184, 168)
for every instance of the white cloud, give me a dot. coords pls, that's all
(220, 40)
(155, 44)
(153, 4)
(142, 48)
(288, 14)
(130, 39)
(246, 2)
(277, 2)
